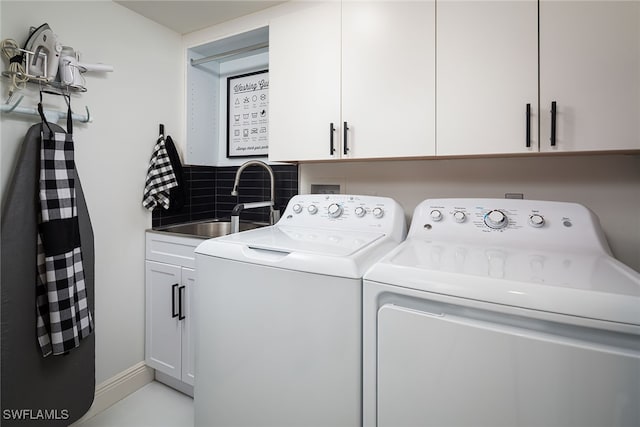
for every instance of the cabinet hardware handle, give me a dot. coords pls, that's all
(345, 146)
(173, 301)
(553, 123)
(528, 142)
(181, 315)
(332, 148)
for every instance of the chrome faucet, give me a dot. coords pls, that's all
(274, 214)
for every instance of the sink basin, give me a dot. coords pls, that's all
(209, 228)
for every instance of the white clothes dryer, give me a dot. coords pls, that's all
(279, 317)
(498, 312)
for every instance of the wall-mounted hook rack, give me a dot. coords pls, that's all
(51, 115)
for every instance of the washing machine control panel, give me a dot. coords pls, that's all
(350, 212)
(503, 220)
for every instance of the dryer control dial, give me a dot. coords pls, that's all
(378, 212)
(360, 211)
(297, 208)
(536, 220)
(496, 219)
(436, 215)
(312, 209)
(334, 210)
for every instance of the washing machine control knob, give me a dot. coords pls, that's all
(360, 211)
(536, 220)
(313, 209)
(297, 208)
(496, 219)
(378, 212)
(334, 210)
(459, 216)
(436, 215)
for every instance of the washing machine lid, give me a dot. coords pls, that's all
(323, 242)
(339, 253)
(591, 285)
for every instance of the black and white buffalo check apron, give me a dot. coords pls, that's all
(63, 315)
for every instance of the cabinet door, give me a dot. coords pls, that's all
(487, 74)
(163, 329)
(388, 78)
(304, 86)
(188, 347)
(590, 66)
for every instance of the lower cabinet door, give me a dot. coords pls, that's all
(188, 347)
(163, 326)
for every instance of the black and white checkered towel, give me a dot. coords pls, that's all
(63, 315)
(160, 178)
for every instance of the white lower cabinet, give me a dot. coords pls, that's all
(169, 343)
(168, 337)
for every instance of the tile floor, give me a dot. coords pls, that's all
(154, 405)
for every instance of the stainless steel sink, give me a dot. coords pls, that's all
(209, 228)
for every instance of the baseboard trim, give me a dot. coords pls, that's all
(174, 383)
(117, 388)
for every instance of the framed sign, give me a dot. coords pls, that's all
(248, 114)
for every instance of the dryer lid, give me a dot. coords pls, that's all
(590, 284)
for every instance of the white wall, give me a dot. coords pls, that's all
(608, 185)
(112, 153)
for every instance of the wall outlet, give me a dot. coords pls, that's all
(325, 189)
(514, 196)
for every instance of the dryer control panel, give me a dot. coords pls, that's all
(507, 221)
(347, 212)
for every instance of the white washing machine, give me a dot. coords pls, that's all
(501, 312)
(279, 314)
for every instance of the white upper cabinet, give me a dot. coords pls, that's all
(304, 85)
(353, 80)
(357, 79)
(487, 67)
(388, 78)
(590, 68)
